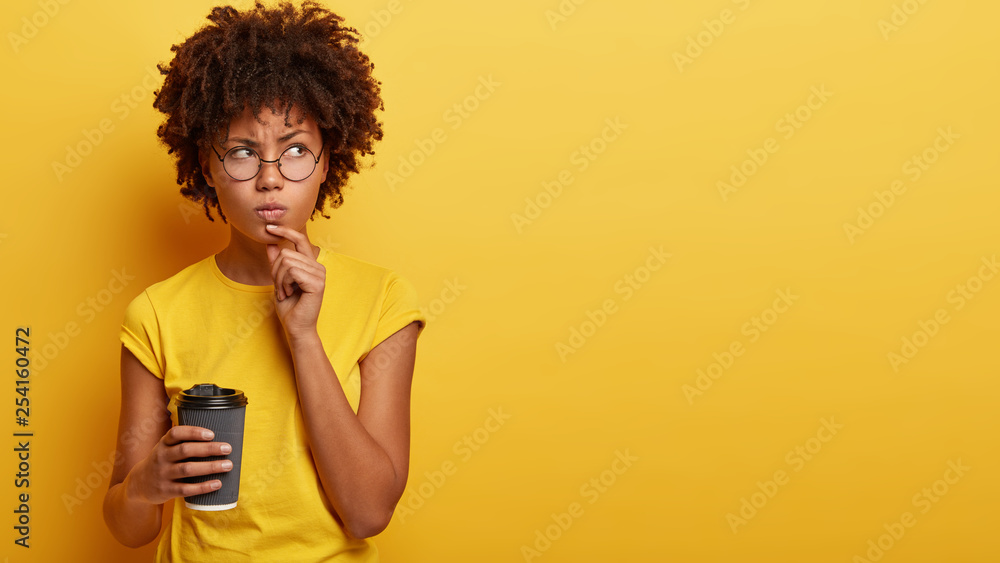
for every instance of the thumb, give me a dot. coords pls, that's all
(272, 252)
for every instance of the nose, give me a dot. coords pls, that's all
(269, 177)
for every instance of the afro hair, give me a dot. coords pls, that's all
(276, 58)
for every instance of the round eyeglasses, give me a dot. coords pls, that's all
(243, 163)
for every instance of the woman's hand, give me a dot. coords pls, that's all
(156, 479)
(299, 281)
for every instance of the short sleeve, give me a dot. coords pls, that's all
(399, 308)
(140, 333)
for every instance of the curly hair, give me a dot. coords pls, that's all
(266, 58)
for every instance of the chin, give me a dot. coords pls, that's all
(269, 238)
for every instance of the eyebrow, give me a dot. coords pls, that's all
(252, 143)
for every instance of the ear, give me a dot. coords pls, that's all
(326, 165)
(205, 160)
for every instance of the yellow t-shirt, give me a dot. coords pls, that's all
(199, 326)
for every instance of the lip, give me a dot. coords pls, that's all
(271, 211)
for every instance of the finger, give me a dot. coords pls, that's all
(192, 489)
(295, 279)
(292, 256)
(178, 434)
(286, 282)
(272, 252)
(298, 239)
(199, 468)
(293, 272)
(188, 450)
(289, 258)
(276, 274)
(276, 263)
(290, 285)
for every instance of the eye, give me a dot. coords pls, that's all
(240, 153)
(296, 151)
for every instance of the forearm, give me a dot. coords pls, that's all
(132, 522)
(356, 473)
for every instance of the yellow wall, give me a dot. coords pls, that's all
(783, 368)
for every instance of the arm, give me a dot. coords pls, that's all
(362, 459)
(148, 454)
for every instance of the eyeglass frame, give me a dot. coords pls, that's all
(261, 161)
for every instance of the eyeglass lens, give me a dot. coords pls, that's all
(295, 164)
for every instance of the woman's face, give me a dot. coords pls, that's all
(268, 197)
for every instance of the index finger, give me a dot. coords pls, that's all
(178, 434)
(299, 240)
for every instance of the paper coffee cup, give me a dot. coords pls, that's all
(221, 410)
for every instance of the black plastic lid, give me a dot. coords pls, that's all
(211, 396)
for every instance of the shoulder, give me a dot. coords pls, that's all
(351, 264)
(381, 298)
(381, 287)
(165, 291)
(355, 271)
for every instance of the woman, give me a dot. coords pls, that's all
(267, 112)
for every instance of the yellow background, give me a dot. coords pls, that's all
(492, 344)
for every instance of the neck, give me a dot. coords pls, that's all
(245, 263)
